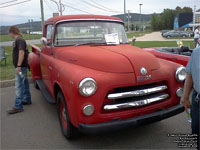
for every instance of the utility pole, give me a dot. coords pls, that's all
(31, 28)
(141, 15)
(194, 17)
(60, 7)
(129, 20)
(124, 11)
(42, 14)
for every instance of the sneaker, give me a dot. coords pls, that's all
(26, 103)
(14, 111)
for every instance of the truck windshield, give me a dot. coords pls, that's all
(89, 32)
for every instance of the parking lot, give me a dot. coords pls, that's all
(38, 128)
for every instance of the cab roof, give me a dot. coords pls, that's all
(81, 17)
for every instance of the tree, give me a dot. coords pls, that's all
(132, 27)
(156, 22)
(167, 18)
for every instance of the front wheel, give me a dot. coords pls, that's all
(68, 130)
(168, 36)
(36, 85)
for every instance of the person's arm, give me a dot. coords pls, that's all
(187, 90)
(21, 57)
(20, 60)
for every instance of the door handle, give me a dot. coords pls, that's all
(50, 68)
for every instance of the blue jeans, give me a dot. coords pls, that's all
(22, 88)
(195, 115)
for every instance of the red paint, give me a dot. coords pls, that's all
(111, 67)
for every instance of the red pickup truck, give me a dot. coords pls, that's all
(98, 80)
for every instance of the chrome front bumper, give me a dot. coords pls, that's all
(131, 122)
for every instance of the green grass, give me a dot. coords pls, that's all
(7, 37)
(7, 71)
(146, 44)
(137, 33)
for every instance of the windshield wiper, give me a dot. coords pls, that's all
(91, 43)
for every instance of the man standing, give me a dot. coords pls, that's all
(196, 35)
(193, 81)
(20, 62)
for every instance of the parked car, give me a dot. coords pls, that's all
(164, 31)
(179, 55)
(98, 80)
(176, 33)
(190, 32)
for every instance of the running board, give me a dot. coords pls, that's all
(45, 92)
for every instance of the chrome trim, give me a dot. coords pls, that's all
(88, 110)
(143, 71)
(136, 103)
(81, 84)
(179, 92)
(178, 70)
(90, 19)
(137, 92)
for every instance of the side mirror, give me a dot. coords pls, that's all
(43, 41)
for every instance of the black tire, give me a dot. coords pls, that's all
(184, 36)
(36, 85)
(168, 36)
(68, 130)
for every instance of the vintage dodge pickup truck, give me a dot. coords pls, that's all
(98, 80)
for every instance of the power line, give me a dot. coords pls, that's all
(93, 5)
(8, 2)
(15, 4)
(76, 8)
(59, 5)
(83, 5)
(48, 5)
(106, 7)
(55, 7)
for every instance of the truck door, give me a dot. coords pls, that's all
(45, 59)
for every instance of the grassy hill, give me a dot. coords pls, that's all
(136, 17)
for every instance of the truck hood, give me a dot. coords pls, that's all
(115, 59)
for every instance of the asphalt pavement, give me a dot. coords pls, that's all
(38, 128)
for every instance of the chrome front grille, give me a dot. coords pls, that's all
(138, 96)
(135, 93)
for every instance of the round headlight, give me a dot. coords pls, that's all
(180, 74)
(88, 110)
(87, 87)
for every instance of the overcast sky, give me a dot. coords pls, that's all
(31, 10)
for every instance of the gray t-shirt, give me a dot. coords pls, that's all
(193, 68)
(196, 34)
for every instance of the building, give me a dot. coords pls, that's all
(183, 20)
(187, 20)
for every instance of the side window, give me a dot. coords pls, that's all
(49, 32)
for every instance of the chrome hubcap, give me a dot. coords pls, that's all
(64, 114)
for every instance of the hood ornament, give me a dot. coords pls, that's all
(144, 76)
(143, 71)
